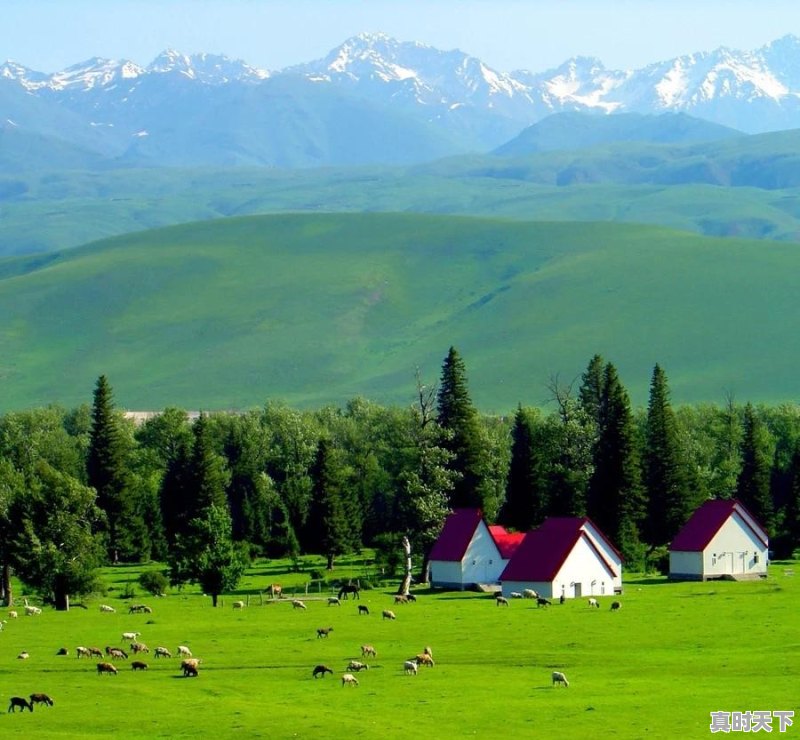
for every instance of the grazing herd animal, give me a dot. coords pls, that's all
(357, 665)
(130, 636)
(184, 652)
(114, 652)
(106, 668)
(13, 614)
(350, 588)
(529, 593)
(334, 601)
(32, 611)
(560, 678)
(190, 667)
(501, 600)
(369, 650)
(276, 590)
(162, 652)
(82, 652)
(516, 595)
(139, 647)
(389, 614)
(106, 608)
(138, 665)
(238, 604)
(541, 601)
(400, 599)
(363, 609)
(348, 679)
(324, 631)
(41, 699)
(410, 667)
(297, 604)
(21, 702)
(594, 603)
(24, 655)
(615, 606)
(139, 608)
(321, 670)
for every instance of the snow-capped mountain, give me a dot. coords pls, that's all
(453, 102)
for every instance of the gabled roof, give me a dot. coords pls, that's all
(506, 542)
(544, 550)
(708, 520)
(457, 533)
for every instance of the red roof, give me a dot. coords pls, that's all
(543, 551)
(457, 533)
(506, 542)
(708, 520)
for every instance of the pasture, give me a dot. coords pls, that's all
(655, 668)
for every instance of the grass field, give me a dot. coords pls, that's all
(656, 668)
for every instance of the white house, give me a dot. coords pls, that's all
(720, 540)
(566, 556)
(466, 552)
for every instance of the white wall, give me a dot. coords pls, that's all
(685, 564)
(584, 574)
(735, 550)
(482, 562)
(445, 573)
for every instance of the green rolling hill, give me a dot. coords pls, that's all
(312, 309)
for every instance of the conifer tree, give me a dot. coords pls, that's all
(106, 469)
(614, 501)
(753, 484)
(526, 502)
(458, 417)
(667, 493)
(209, 476)
(591, 392)
(791, 513)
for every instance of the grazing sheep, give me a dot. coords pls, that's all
(501, 600)
(32, 611)
(24, 655)
(13, 614)
(529, 593)
(389, 614)
(321, 670)
(95, 652)
(424, 659)
(62, 651)
(363, 609)
(369, 650)
(162, 652)
(541, 601)
(410, 667)
(82, 652)
(190, 671)
(238, 604)
(349, 679)
(400, 599)
(594, 603)
(106, 668)
(184, 651)
(297, 604)
(139, 647)
(559, 677)
(427, 650)
(334, 601)
(324, 631)
(138, 665)
(357, 665)
(106, 608)
(116, 653)
(516, 595)
(615, 606)
(130, 636)
(41, 699)
(18, 701)
(190, 666)
(136, 608)
(411, 597)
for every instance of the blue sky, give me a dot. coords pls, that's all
(49, 35)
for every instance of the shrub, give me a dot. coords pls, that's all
(154, 582)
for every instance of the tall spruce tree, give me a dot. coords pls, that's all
(753, 484)
(591, 393)
(666, 482)
(527, 494)
(107, 473)
(614, 500)
(331, 529)
(458, 417)
(791, 513)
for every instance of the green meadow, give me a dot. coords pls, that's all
(317, 309)
(656, 668)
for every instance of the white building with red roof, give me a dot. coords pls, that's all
(722, 539)
(566, 556)
(469, 552)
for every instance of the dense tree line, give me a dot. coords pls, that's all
(83, 487)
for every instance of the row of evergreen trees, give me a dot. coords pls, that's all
(83, 487)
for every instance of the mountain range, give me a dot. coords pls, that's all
(373, 99)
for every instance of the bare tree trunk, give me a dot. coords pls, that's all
(405, 586)
(5, 586)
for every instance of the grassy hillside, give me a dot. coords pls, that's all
(656, 668)
(317, 309)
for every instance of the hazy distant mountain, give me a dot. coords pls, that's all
(374, 99)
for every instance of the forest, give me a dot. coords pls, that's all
(85, 487)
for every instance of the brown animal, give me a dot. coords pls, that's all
(116, 653)
(190, 666)
(424, 659)
(324, 631)
(138, 665)
(277, 590)
(139, 647)
(368, 650)
(41, 699)
(411, 597)
(348, 679)
(95, 652)
(321, 670)
(18, 701)
(400, 599)
(106, 668)
(162, 652)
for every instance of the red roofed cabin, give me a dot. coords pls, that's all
(720, 540)
(565, 555)
(468, 552)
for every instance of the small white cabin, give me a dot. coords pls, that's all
(720, 540)
(566, 556)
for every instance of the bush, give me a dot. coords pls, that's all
(154, 582)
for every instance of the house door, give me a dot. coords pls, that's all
(577, 587)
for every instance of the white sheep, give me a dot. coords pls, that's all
(184, 651)
(297, 604)
(349, 679)
(516, 595)
(32, 611)
(24, 655)
(357, 665)
(82, 652)
(594, 603)
(501, 601)
(107, 608)
(389, 614)
(559, 677)
(334, 601)
(13, 614)
(238, 604)
(369, 650)
(529, 593)
(410, 667)
(162, 652)
(130, 636)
